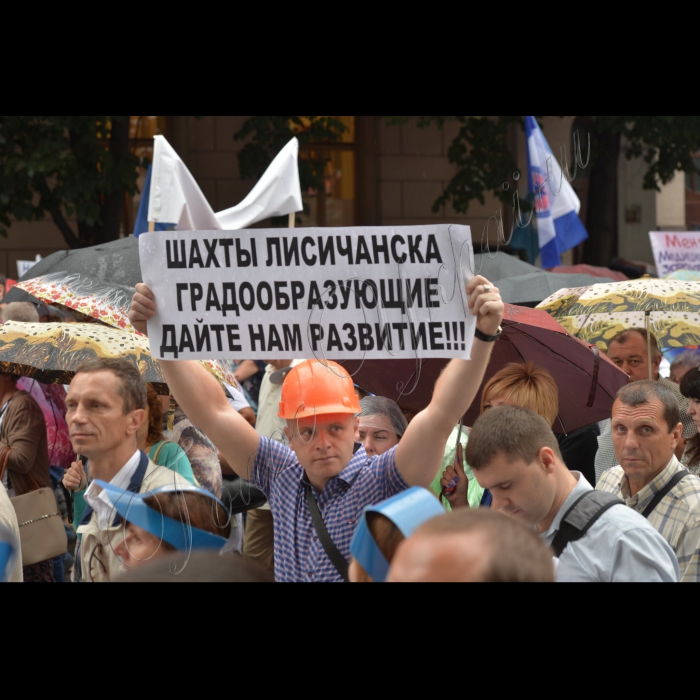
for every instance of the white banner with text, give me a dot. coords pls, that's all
(334, 293)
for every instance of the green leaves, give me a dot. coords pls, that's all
(268, 135)
(64, 165)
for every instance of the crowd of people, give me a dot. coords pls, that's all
(299, 475)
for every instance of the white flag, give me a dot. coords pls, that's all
(277, 192)
(176, 198)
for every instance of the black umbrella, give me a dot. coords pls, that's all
(116, 261)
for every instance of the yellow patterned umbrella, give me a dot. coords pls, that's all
(95, 300)
(51, 352)
(669, 308)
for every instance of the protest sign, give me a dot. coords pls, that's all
(676, 250)
(334, 293)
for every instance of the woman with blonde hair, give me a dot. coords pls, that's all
(528, 386)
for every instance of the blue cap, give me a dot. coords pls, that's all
(407, 510)
(9, 547)
(179, 534)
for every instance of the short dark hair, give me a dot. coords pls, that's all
(641, 392)
(131, 387)
(517, 554)
(623, 337)
(517, 432)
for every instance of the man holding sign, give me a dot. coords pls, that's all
(318, 485)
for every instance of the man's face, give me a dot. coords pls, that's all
(643, 443)
(377, 434)
(632, 358)
(524, 491)
(448, 558)
(324, 444)
(95, 417)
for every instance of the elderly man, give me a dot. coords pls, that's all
(105, 407)
(682, 363)
(318, 486)
(514, 453)
(646, 428)
(628, 350)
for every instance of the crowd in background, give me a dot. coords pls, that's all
(359, 488)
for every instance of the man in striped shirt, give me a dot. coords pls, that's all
(323, 467)
(646, 428)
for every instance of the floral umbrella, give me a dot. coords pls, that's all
(98, 301)
(669, 308)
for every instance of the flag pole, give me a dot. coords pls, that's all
(292, 218)
(151, 226)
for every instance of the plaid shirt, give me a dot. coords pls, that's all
(605, 457)
(299, 555)
(676, 517)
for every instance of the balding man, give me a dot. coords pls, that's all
(469, 546)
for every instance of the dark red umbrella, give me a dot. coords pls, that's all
(588, 381)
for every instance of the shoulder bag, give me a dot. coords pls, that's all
(41, 532)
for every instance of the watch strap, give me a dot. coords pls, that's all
(487, 338)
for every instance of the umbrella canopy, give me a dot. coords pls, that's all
(593, 270)
(99, 301)
(671, 309)
(51, 352)
(588, 381)
(534, 287)
(90, 297)
(116, 261)
(500, 265)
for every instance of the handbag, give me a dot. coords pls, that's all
(41, 531)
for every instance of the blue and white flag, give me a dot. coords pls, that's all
(557, 205)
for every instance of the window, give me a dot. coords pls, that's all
(334, 203)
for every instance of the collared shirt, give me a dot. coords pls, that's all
(605, 457)
(99, 502)
(620, 546)
(676, 517)
(299, 555)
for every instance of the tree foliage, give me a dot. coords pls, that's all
(269, 135)
(484, 162)
(480, 151)
(63, 166)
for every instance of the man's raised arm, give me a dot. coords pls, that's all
(421, 450)
(201, 397)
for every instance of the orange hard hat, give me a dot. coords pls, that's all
(315, 388)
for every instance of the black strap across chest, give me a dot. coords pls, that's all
(676, 478)
(581, 516)
(337, 559)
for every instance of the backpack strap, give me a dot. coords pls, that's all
(337, 559)
(580, 517)
(676, 478)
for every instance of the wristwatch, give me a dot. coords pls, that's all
(488, 338)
